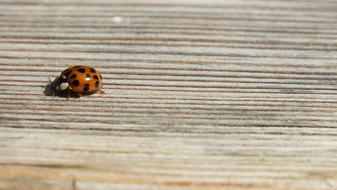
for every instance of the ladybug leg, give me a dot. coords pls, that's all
(68, 94)
(101, 91)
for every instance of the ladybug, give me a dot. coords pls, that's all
(77, 81)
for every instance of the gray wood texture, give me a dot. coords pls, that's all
(219, 94)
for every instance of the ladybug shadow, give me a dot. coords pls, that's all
(49, 91)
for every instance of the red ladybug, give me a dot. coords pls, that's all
(77, 81)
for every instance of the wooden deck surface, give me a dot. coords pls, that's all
(200, 95)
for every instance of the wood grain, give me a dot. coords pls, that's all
(200, 95)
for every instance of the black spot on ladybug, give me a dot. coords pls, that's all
(73, 76)
(76, 82)
(86, 88)
(87, 77)
(67, 73)
(92, 70)
(96, 77)
(81, 70)
(97, 84)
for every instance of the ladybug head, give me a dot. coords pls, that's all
(60, 84)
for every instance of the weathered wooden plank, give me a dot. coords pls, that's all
(199, 95)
